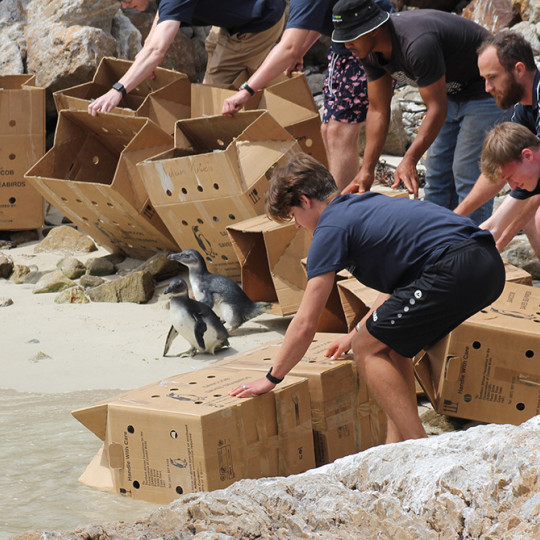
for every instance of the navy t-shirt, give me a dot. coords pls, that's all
(427, 44)
(385, 242)
(528, 116)
(246, 16)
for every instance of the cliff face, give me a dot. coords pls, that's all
(479, 483)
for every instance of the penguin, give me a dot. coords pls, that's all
(194, 321)
(222, 294)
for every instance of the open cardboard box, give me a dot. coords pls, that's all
(288, 99)
(216, 175)
(22, 143)
(517, 275)
(345, 418)
(90, 175)
(487, 369)
(270, 257)
(186, 434)
(164, 99)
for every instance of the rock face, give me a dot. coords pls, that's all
(480, 483)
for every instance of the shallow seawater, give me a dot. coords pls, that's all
(43, 451)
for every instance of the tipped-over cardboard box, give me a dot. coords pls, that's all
(517, 275)
(488, 368)
(22, 143)
(270, 256)
(186, 434)
(164, 99)
(216, 175)
(288, 99)
(345, 418)
(90, 175)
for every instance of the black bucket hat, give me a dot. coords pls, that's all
(354, 18)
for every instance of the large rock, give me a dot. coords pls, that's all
(136, 287)
(479, 483)
(494, 15)
(54, 281)
(66, 238)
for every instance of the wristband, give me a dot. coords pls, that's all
(271, 378)
(249, 90)
(119, 87)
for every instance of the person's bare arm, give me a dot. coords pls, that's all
(436, 101)
(482, 191)
(146, 61)
(286, 57)
(298, 337)
(377, 122)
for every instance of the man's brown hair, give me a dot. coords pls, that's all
(503, 145)
(511, 48)
(304, 175)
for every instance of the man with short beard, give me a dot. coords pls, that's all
(506, 62)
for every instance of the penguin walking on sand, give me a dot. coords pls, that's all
(222, 294)
(194, 321)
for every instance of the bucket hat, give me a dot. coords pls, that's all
(354, 18)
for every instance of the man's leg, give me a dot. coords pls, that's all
(341, 142)
(390, 378)
(476, 118)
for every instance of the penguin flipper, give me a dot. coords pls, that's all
(199, 330)
(170, 338)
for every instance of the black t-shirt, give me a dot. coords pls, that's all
(385, 242)
(246, 16)
(427, 44)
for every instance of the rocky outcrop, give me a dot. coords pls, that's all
(479, 483)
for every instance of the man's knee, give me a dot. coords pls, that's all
(341, 134)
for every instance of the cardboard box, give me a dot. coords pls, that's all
(487, 369)
(270, 257)
(216, 176)
(90, 175)
(345, 418)
(186, 434)
(288, 99)
(22, 143)
(164, 99)
(517, 275)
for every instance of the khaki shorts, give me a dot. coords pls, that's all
(231, 55)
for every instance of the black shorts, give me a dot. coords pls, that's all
(466, 278)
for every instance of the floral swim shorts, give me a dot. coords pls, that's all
(345, 89)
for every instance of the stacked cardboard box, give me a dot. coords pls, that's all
(216, 175)
(288, 99)
(164, 99)
(487, 369)
(186, 434)
(22, 143)
(345, 418)
(90, 175)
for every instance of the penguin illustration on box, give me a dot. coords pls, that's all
(219, 292)
(194, 321)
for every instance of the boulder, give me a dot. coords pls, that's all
(66, 238)
(53, 282)
(71, 267)
(136, 287)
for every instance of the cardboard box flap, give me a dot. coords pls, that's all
(207, 100)
(264, 127)
(423, 373)
(295, 89)
(98, 473)
(94, 418)
(285, 111)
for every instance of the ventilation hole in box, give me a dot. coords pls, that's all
(155, 396)
(172, 389)
(173, 434)
(210, 376)
(311, 361)
(12, 123)
(64, 199)
(520, 406)
(467, 398)
(232, 216)
(123, 491)
(217, 395)
(209, 259)
(131, 225)
(184, 191)
(216, 186)
(200, 189)
(110, 205)
(220, 142)
(309, 143)
(193, 382)
(12, 156)
(131, 246)
(84, 218)
(131, 429)
(169, 193)
(136, 485)
(118, 130)
(179, 490)
(185, 223)
(94, 203)
(216, 219)
(225, 258)
(200, 221)
(12, 200)
(476, 344)
(116, 223)
(198, 402)
(105, 130)
(529, 354)
(78, 200)
(95, 160)
(100, 220)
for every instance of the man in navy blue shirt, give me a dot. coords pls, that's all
(433, 268)
(247, 31)
(511, 153)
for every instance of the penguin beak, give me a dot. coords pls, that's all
(173, 256)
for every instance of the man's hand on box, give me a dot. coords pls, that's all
(105, 103)
(235, 103)
(338, 347)
(254, 388)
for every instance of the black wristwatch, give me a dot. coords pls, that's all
(245, 86)
(271, 378)
(120, 88)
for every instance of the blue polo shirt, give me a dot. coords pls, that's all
(245, 16)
